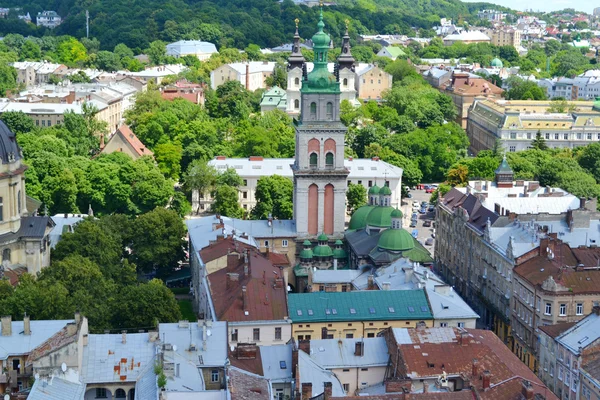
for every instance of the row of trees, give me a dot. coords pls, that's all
(93, 271)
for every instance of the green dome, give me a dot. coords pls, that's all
(359, 218)
(306, 253)
(321, 39)
(322, 251)
(374, 189)
(307, 243)
(396, 240)
(386, 191)
(339, 242)
(396, 213)
(339, 253)
(496, 62)
(322, 237)
(380, 217)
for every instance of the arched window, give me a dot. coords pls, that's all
(120, 394)
(313, 110)
(329, 160)
(297, 81)
(345, 81)
(296, 104)
(329, 110)
(6, 255)
(313, 160)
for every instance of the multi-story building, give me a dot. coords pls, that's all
(505, 37)
(588, 85)
(358, 314)
(560, 87)
(48, 19)
(516, 122)
(31, 73)
(491, 15)
(467, 37)
(371, 82)
(252, 74)
(197, 48)
(487, 229)
(366, 172)
(561, 283)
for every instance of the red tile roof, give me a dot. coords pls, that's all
(556, 329)
(221, 248)
(247, 386)
(430, 356)
(129, 137)
(243, 360)
(171, 95)
(265, 294)
(13, 275)
(460, 395)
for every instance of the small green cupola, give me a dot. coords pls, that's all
(322, 249)
(320, 80)
(374, 195)
(396, 219)
(385, 196)
(497, 63)
(339, 251)
(306, 254)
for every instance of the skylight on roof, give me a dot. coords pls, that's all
(352, 311)
(334, 311)
(391, 309)
(371, 310)
(327, 311)
(424, 308)
(299, 312)
(411, 309)
(282, 365)
(310, 311)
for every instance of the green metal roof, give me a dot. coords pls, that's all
(339, 253)
(380, 217)
(322, 237)
(395, 51)
(323, 251)
(307, 243)
(396, 240)
(386, 191)
(370, 305)
(496, 62)
(418, 254)
(339, 242)
(359, 218)
(374, 189)
(504, 168)
(306, 253)
(320, 80)
(396, 213)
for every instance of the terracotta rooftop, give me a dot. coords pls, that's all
(175, 94)
(129, 137)
(556, 329)
(265, 292)
(478, 214)
(247, 386)
(279, 259)
(567, 269)
(55, 342)
(221, 248)
(13, 275)
(247, 357)
(460, 395)
(428, 352)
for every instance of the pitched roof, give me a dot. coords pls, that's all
(17, 343)
(395, 51)
(372, 305)
(221, 248)
(56, 388)
(556, 329)
(267, 297)
(247, 386)
(340, 353)
(184, 47)
(127, 135)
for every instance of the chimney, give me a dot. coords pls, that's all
(101, 141)
(6, 325)
(248, 76)
(232, 260)
(294, 360)
(124, 337)
(77, 317)
(596, 309)
(582, 203)
(485, 380)
(244, 298)
(71, 328)
(270, 220)
(26, 325)
(327, 391)
(306, 391)
(527, 390)
(371, 282)
(359, 349)
(475, 371)
(304, 345)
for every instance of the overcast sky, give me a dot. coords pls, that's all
(548, 5)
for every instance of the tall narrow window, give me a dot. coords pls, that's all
(329, 160)
(1, 210)
(313, 160)
(297, 81)
(19, 201)
(256, 334)
(345, 82)
(313, 110)
(329, 111)
(6, 255)
(296, 104)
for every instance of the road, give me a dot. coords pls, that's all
(407, 211)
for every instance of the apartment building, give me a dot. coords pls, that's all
(516, 122)
(366, 172)
(201, 50)
(31, 73)
(48, 19)
(252, 74)
(491, 15)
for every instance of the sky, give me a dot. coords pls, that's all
(547, 5)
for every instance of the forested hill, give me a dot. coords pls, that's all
(231, 23)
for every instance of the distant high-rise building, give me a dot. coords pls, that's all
(597, 11)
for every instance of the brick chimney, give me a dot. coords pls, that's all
(304, 345)
(327, 392)
(596, 310)
(527, 390)
(306, 390)
(359, 349)
(370, 282)
(6, 325)
(485, 380)
(26, 325)
(231, 279)
(244, 298)
(294, 361)
(124, 337)
(475, 371)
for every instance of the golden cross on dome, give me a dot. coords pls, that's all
(296, 21)
(321, 3)
(347, 21)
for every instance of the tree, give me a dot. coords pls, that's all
(229, 177)
(226, 202)
(356, 196)
(200, 176)
(524, 90)
(17, 121)
(71, 52)
(168, 156)
(589, 159)
(457, 175)
(157, 52)
(273, 197)
(30, 51)
(561, 106)
(123, 51)
(164, 249)
(8, 77)
(279, 76)
(107, 61)
(539, 142)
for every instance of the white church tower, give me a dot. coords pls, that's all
(296, 70)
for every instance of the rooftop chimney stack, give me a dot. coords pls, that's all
(306, 390)
(475, 371)
(26, 325)
(244, 298)
(528, 392)
(485, 380)
(327, 392)
(6, 325)
(124, 337)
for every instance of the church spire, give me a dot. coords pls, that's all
(296, 59)
(345, 60)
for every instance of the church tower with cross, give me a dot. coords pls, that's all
(320, 177)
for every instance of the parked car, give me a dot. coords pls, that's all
(416, 204)
(429, 242)
(429, 190)
(415, 233)
(431, 208)
(423, 210)
(413, 223)
(409, 195)
(427, 223)
(424, 204)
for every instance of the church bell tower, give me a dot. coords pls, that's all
(320, 178)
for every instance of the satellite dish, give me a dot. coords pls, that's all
(174, 347)
(37, 376)
(208, 332)
(63, 367)
(232, 347)
(7, 397)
